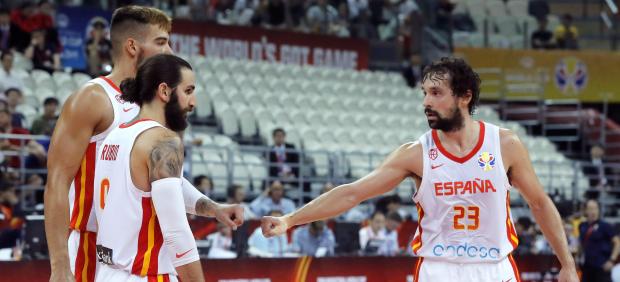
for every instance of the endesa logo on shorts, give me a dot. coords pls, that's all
(466, 250)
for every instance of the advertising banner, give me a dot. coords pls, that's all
(585, 75)
(74, 26)
(257, 44)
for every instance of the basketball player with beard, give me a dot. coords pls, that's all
(139, 204)
(464, 170)
(86, 119)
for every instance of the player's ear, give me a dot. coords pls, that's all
(465, 99)
(131, 46)
(164, 92)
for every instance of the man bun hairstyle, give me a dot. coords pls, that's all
(162, 68)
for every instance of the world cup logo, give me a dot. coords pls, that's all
(571, 75)
(486, 161)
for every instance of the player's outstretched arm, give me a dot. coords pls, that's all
(79, 117)
(197, 203)
(165, 163)
(398, 166)
(523, 177)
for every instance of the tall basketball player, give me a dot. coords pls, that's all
(86, 119)
(138, 192)
(464, 170)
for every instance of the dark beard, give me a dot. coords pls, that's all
(453, 123)
(140, 59)
(175, 115)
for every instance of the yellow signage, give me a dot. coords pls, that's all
(589, 76)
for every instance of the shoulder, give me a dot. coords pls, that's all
(507, 137)
(159, 137)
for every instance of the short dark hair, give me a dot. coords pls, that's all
(376, 213)
(461, 78)
(13, 89)
(128, 21)
(394, 216)
(6, 52)
(279, 129)
(230, 192)
(198, 179)
(160, 68)
(50, 100)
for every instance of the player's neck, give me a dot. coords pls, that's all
(463, 137)
(152, 112)
(121, 73)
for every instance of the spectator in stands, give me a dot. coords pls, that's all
(276, 14)
(272, 199)
(357, 8)
(393, 221)
(538, 9)
(5, 29)
(98, 49)
(44, 55)
(341, 26)
(36, 154)
(22, 24)
(15, 98)
(204, 184)
(271, 247)
(566, 34)
(391, 203)
(527, 235)
(295, 14)
(223, 11)
(8, 79)
(373, 236)
(45, 123)
(12, 217)
(244, 11)
(599, 244)
(413, 70)
(314, 239)
(221, 242)
(542, 38)
(596, 172)
(321, 17)
(236, 195)
(283, 158)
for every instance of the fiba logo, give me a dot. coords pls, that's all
(571, 75)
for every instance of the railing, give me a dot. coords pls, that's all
(246, 164)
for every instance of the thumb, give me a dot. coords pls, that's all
(228, 222)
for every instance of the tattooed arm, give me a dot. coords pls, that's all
(164, 172)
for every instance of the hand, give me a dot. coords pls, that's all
(568, 274)
(231, 215)
(62, 275)
(608, 265)
(273, 226)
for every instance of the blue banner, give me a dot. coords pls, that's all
(74, 27)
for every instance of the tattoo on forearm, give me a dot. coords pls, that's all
(205, 207)
(166, 159)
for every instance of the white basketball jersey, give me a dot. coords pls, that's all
(129, 236)
(82, 187)
(463, 202)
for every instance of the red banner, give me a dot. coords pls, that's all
(304, 269)
(257, 44)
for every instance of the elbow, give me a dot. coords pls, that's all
(540, 204)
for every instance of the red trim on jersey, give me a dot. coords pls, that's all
(111, 83)
(473, 152)
(86, 258)
(83, 202)
(166, 278)
(142, 237)
(416, 272)
(416, 244)
(515, 269)
(125, 125)
(510, 231)
(158, 242)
